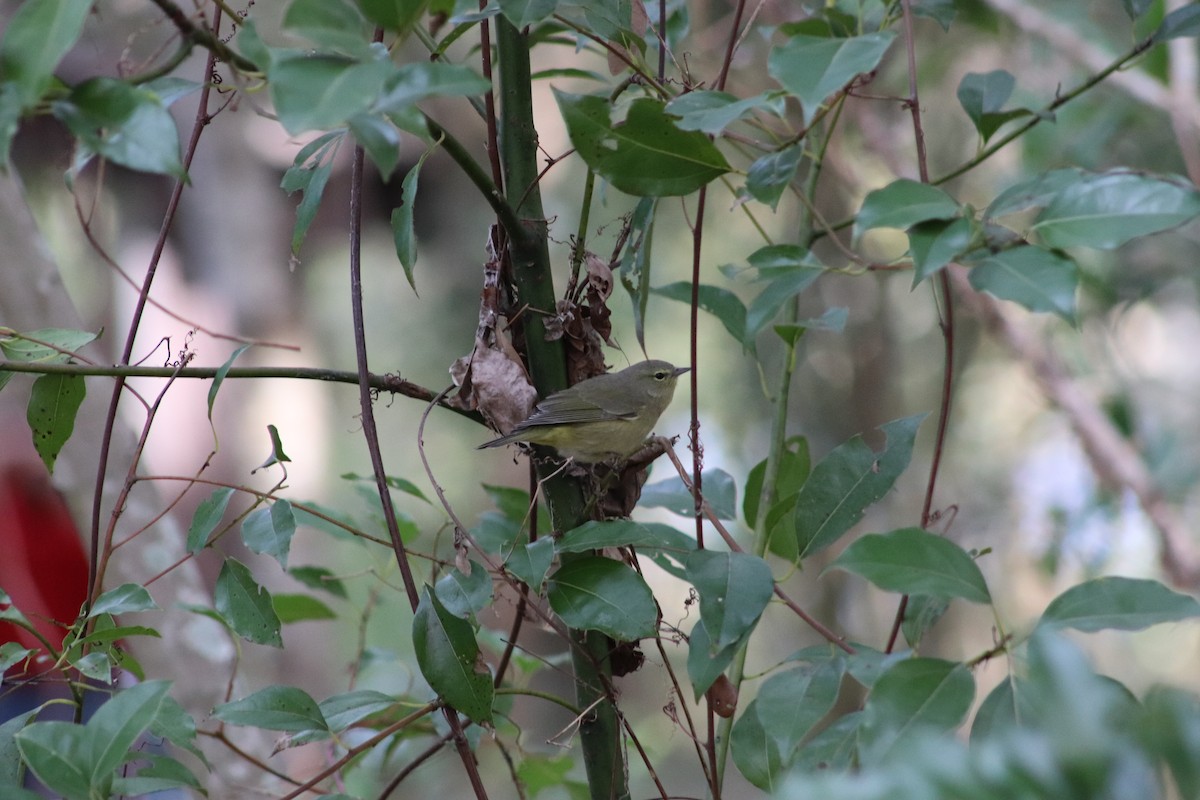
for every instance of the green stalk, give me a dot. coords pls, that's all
(599, 729)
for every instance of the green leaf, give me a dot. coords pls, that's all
(1183, 21)
(53, 405)
(45, 345)
(463, 595)
(58, 753)
(794, 466)
(712, 112)
(983, 95)
(449, 658)
(12, 654)
(1106, 211)
(277, 455)
(320, 578)
(219, 377)
(125, 599)
(1007, 707)
(245, 605)
(403, 235)
(834, 748)
(310, 176)
(36, 37)
(756, 755)
(1031, 276)
(847, 481)
(791, 703)
(119, 723)
(269, 531)
(719, 491)
(600, 594)
(523, 13)
(1170, 726)
(902, 204)
(812, 68)
(646, 154)
(721, 303)
(411, 83)
(636, 262)
(771, 174)
(394, 15)
(343, 710)
(275, 708)
(595, 535)
(915, 561)
(531, 562)
(125, 124)
(935, 243)
(1033, 193)
(920, 616)
(330, 24)
(206, 518)
(299, 608)
(705, 663)
(379, 139)
(315, 92)
(1126, 604)
(734, 589)
(789, 271)
(155, 773)
(916, 694)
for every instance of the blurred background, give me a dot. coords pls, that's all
(1016, 479)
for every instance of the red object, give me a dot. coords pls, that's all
(43, 567)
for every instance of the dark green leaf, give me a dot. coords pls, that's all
(902, 204)
(915, 561)
(787, 283)
(1183, 21)
(625, 533)
(36, 37)
(219, 377)
(636, 262)
(463, 595)
(310, 179)
(920, 615)
(721, 303)
(812, 68)
(755, 753)
(644, 155)
(1126, 604)
(734, 589)
(275, 708)
(1106, 211)
(935, 243)
(319, 578)
(919, 693)
(1031, 276)
(1170, 727)
(600, 594)
(299, 608)
(983, 95)
(833, 749)
(449, 659)
(793, 469)
(155, 773)
(343, 710)
(277, 455)
(53, 404)
(120, 721)
(719, 491)
(245, 605)
(1006, 707)
(394, 15)
(403, 234)
(847, 481)
(206, 518)
(125, 599)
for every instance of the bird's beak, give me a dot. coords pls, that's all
(680, 370)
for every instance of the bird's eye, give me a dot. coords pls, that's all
(660, 375)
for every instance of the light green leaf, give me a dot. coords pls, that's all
(523, 13)
(1182, 22)
(712, 112)
(206, 518)
(275, 708)
(596, 535)
(1106, 211)
(269, 531)
(299, 608)
(36, 37)
(983, 95)
(125, 124)
(380, 141)
(53, 405)
(316, 92)
(915, 561)
(734, 589)
(705, 663)
(812, 68)
(721, 303)
(719, 491)
(847, 481)
(1116, 603)
(935, 243)
(411, 83)
(531, 562)
(771, 174)
(1031, 276)
(916, 694)
(403, 234)
(219, 377)
(463, 595)
(125, 599)
(330, 24)
(902, 204)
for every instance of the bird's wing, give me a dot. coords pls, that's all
(561, 411)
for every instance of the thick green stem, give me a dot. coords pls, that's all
(599, 729)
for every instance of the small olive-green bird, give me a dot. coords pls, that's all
(603, 417)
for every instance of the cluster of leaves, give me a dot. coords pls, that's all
(1052, 729)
